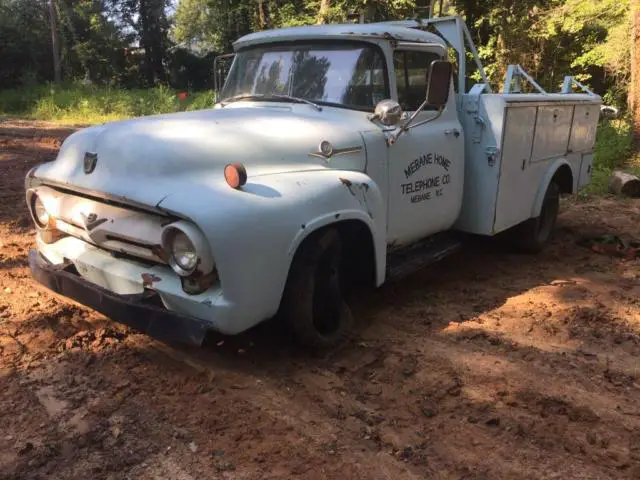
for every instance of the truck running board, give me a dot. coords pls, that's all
(406, 261)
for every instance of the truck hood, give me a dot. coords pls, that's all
(148, 158)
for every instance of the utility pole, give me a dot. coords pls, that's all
(55, 43)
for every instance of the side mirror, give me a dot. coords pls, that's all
(439, 83)
(388, 112)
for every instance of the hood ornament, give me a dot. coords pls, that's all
(90, 161)
(326, 150)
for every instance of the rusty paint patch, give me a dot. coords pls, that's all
(348, 183)
(158, 251)
(148, 279)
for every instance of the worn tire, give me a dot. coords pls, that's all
(312, 305)
(533, 235)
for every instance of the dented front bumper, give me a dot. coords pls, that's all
(150, 301)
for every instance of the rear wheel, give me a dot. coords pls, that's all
(313, 306)
(533, 235)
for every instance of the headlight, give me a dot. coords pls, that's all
(40, 212)
(186, 249)
(182, 253)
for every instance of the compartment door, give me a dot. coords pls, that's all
(516, 185)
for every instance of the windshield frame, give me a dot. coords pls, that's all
(318, 42)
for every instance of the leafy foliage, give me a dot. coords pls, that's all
(148, 42)
(81, 104)
(614, 145)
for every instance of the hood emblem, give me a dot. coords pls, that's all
(90, 160)
(326, 150)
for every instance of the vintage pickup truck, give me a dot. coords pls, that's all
(337, 156)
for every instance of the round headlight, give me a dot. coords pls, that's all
(40, 212)
(183, 253)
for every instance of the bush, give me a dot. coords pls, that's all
(79, 104)
(613, 149)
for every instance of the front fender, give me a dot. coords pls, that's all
(254, 231)
(544, 184)
(369, 209)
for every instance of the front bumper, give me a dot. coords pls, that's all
(138, 310)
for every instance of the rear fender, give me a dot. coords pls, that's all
(544, 184)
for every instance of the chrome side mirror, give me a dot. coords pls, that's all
(388, 112)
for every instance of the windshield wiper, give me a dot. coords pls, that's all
(269, 96)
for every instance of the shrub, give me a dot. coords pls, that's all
(79, 104)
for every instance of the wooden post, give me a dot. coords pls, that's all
(55, 43)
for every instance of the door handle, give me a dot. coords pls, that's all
(453, 131)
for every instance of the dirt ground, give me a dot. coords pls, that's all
(487, 365)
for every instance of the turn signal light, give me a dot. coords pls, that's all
(235, 174)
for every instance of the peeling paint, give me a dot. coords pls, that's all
(358, 190)
(148, 279)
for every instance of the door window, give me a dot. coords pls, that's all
(411, 69)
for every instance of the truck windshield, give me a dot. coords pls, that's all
(345, 75)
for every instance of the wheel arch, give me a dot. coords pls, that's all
(363, 246)
(560, 172)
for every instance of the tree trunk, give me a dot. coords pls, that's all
(622, 183)
(55, 43)
(152, 33)
(634, 89)
(264, 20)
(323, 13)
(422, 8)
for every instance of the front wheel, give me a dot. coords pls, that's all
(312, 305)
(533, 235)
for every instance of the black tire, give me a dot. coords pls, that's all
(534, 234)
(313, 305)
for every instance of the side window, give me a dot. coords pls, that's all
(411, 76)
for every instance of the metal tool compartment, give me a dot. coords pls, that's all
(583, 130)
(552, 129)
(512, 140)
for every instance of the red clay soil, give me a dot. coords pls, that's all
(488, 365)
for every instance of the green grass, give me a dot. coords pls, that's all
(78, 104)
(613, 151)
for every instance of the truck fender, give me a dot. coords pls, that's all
(554, 167)
(371, 214)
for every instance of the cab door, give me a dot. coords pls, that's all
(426, 164)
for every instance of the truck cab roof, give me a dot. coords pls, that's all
(359, 31)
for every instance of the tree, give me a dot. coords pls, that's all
(55, 42)
(153, 27)
(323, 12)
(26, 59)
(634, 90)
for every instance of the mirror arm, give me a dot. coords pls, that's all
(428, 120)
(393, 138)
